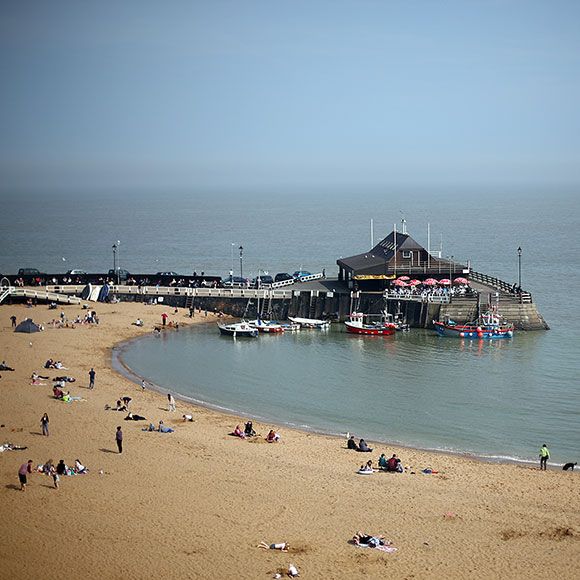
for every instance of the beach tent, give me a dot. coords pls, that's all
(103, 293)
(27, 326)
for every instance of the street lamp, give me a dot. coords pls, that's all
(232, 268)
(241, 261)
(114, 258)
(117, 259)
(519, 268)
(450, 262)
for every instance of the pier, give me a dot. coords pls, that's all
(371, 282)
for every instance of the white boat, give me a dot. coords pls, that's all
(236, 329)
(310, 322)
(266, 326)
(291, 327)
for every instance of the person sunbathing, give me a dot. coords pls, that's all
(272, 437)
(164, 429)
(5, 367)
(362, 539)
(188, 418)
(362, 446)
(57, 392)
(249, 430)
(239, 433)
(79, 467)
(134, 417)
(367, 468)
(383, 463)
(282, 546)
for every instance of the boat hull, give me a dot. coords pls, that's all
(240, 330)
(310, 322)
(472, 332)
(369, 330)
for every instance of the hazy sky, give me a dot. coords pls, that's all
(248, 94)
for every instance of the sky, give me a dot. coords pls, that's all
(248, 94)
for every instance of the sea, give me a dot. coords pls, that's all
(498, 400)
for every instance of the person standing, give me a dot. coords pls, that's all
(544, 456)
(171, 406)
(164, 318)
(143, 384)
(13, 320)
(119, 439)
(92, 378)
(24, 470)
(44, 421)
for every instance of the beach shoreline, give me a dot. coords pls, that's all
(196, 502)
(120, 366)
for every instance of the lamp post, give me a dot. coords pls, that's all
(232, 266)
(519, 268)
(450, 262)
(115, 259)
(241, 261)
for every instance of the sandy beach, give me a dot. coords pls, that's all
(196, 503)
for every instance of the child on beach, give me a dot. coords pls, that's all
(282, 546)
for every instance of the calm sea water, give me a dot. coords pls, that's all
(501, 399)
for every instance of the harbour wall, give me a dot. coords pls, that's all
(338, 305)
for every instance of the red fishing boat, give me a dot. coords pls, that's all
(370, 324)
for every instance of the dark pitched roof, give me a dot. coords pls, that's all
(381, 253)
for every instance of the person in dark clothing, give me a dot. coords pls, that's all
(351, 443)
(92, 378)
(13, 319)
(119, 439)
(362, 446)
(249, 430)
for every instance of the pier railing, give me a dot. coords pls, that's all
(521, 296)
(61, 298)
(428, 298)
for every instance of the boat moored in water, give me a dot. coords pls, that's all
(488, 325)
(238, 329)
(310, 322)
(266, 326)
(369, 324)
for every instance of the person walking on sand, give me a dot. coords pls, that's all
(13, 320)
(171, 405)
(164, 318)
(92, 378)
(44, 421)
(544, 456)
(119, 439)
(24, 470)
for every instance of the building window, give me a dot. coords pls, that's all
(407, 254)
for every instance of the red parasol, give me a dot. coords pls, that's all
(413, 282)
(404, 278)
(445, 282)
(430, 282)
(400, 282)
(461, 281)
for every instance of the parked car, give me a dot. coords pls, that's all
(30, 272)
(167, 274)
(120, 273)
(76, 273)
(264, 280)
(283, 276)
(301, 274)
(235, 282)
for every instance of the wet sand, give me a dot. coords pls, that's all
(195, 503)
